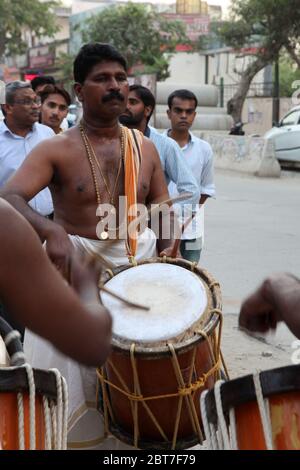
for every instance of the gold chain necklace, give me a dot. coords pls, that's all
(111, 194)
(92, 157)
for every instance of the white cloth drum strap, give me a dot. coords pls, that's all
(58, 428)
(264, 410)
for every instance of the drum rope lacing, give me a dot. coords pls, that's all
(224, 437)
(185, 392)
(56, 427)
(218, 438)
(264, 410)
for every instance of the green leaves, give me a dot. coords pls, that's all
(272, 26)
(139, 33)
(17, 17)
(270, 23)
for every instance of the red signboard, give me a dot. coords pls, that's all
(29, 76)
(196, 25)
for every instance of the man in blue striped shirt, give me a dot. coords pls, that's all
(140, 106)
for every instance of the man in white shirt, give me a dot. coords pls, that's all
(199, 157)
(20, 132)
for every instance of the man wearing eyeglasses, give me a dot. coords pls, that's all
(20, 132)
(199, 157)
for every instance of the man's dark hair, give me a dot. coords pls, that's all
(54, 89)
(92, 54)
(183, 95)
(145, 95)
(42, 80)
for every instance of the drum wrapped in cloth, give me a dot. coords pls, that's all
(33, 402)
(162, 358)
(255, 412)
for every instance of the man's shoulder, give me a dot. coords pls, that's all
(3, 130)
(163, 139)
(43, 130)
(203, 144)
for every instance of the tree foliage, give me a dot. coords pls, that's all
(289, 74)
(139, 33)
(17, 16)
(65, 64)
(271, 26)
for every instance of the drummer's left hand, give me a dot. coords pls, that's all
(168, 252)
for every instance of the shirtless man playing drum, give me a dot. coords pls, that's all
(90, 164)
(63, 163)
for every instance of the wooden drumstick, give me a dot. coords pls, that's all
(122, 299)
(180, 197)
(178, 240)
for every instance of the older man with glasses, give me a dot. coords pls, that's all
(20, 132)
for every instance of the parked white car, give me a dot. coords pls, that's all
(287, 136)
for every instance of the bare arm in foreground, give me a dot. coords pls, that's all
(36, 294)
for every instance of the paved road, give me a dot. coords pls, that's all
(251, 229)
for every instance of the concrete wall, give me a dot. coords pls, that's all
(250, 155)
(257, 114)
(189, 68)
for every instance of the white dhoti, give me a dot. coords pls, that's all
(85, 423)
(114, 252)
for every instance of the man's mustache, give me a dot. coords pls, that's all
(112, 96)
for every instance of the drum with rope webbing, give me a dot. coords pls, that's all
(255, 412)
(162, 358)
(33, 402)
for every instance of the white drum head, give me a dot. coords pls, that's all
(177, 299)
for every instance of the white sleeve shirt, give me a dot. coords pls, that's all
(175, 168)
(13, 151)
(198, 155)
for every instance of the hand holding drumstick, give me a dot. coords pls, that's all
(84, 275)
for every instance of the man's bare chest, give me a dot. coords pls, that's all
(84, 180)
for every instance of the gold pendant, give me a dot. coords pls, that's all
(104, 235)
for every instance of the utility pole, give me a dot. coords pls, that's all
(276, 93)
(206, 68)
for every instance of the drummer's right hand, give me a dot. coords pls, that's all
(60, 249)
(85, 272)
